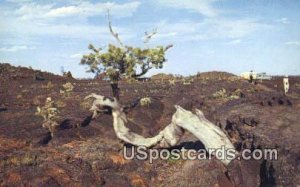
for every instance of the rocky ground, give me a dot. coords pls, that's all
(87, 153)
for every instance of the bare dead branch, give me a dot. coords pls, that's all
(168, 47)
(148, 36)
(115, 35)
(209, 134)
(132, 105)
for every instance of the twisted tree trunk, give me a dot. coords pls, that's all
(210, 135)
(116, 90)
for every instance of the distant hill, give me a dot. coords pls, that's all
(214, 75)
(160, 76)
(9, 72)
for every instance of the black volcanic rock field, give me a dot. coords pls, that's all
(87, 153)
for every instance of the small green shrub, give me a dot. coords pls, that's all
(67, 89)
(145, 101)
(50, 114)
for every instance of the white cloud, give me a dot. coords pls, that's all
(283, 20)
(164, 35)
(63, 11)
(18, 1)
(68, 21)
(24, 29)
(31, 11)
(235, 28)
(204, 7)
(234, 42)
(76, 55)
(214, 25)
(211, 28)
(89, 9)
(16, 48)
(293, 43)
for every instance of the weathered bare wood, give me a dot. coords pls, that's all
(210, 135)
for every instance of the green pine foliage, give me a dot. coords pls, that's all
(119, 61)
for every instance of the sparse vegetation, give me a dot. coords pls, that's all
(252, 90)
(36, 101)
(237, 94)
(38, 76)
(145, 101)
(233, 78)
(60, 103)
(49, 85)
(220, 94)
(67, 74)
(172, 82)
(86, 104)
(49, 112)
(187, 81)
(223, 94)
(67, 89)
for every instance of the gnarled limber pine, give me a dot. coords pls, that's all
(210, 135)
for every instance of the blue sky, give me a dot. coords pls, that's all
(220, 35)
